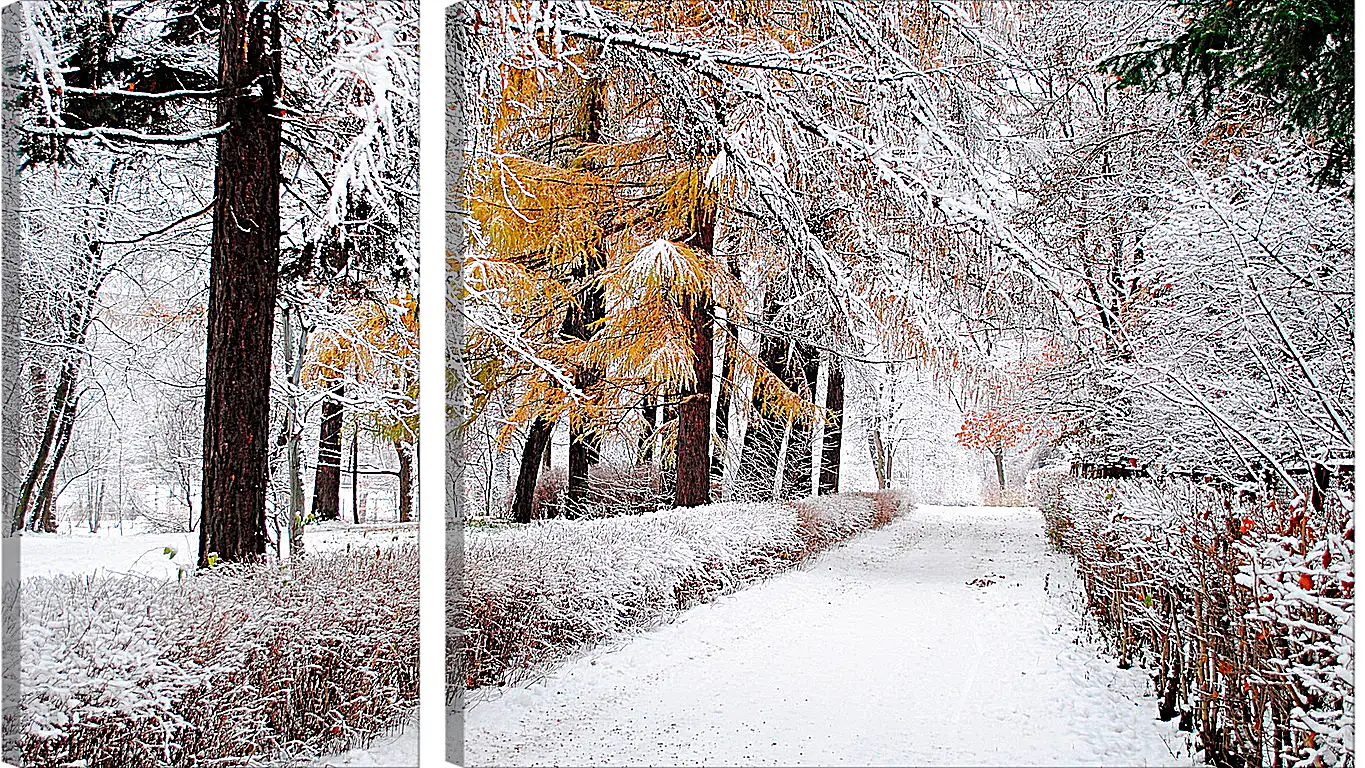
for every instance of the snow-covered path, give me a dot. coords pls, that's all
(948, 637)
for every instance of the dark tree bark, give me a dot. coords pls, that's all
(693, 446)
(590, 308)
(800, 457)
(404, 480)
(833, 442)
(61, 415)
(242, 285)
(45, 520)
(355, 474)
(999, 455)
(529, 474)
(693, 456)
(327, 478)
(1322, 478)
(646, 448)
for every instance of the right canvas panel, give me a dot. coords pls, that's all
(916, 383)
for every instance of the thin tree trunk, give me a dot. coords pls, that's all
(525, 493)
(45, 520)
(723, 397)
(404, 480)
(291, 427)
(245, 259)
(59, 418)
(999, 456)
(646, 448)
(799, 466)
(878, 451)
(355, 472)
(833, 442)
(327, 478)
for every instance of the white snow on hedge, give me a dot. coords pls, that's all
(533, 594)
(239, 665)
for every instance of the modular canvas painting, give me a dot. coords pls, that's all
(840, 382)
(210, 382)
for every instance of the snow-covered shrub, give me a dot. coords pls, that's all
(236, 666)
(1043, 487)
(614, 488)
(1243, 608)
(529, 596)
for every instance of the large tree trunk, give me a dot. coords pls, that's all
(693, 446)
(582, 455)
(693, 456)
(833, 442)
(404, 480)
(242, 285)
(529, 474)
(327, 478)
(589, 310)
(800, 457)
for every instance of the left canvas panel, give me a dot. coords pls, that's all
(210, 383)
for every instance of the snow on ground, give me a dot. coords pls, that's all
(950, 637)
(74, 550)
(397, 749)
(125, 549)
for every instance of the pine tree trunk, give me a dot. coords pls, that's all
(327, 478)
(833, 442)
(583, 445)
(529, 474)
(693, 457)
(242, 286)
(404, 480)
(693, 446)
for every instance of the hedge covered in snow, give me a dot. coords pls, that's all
(241, 665)
(529, 596)
(1243, 608)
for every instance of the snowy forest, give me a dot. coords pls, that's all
(210, 394)
(733, 282)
